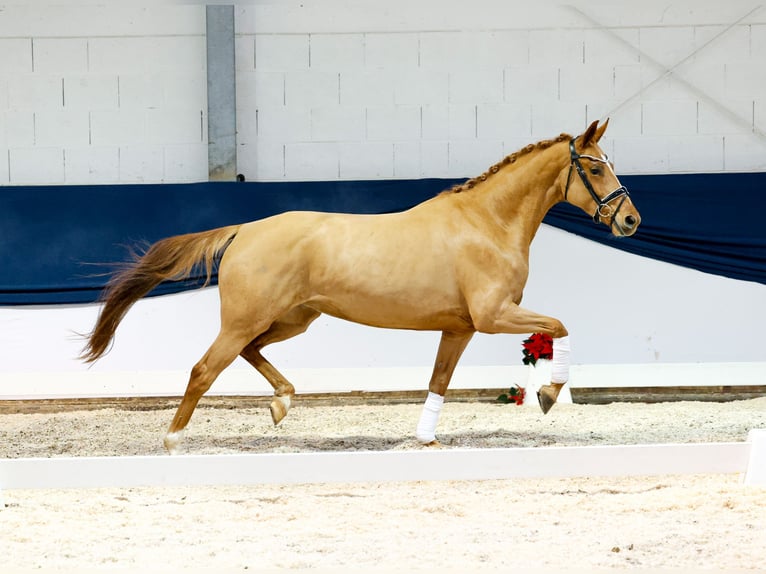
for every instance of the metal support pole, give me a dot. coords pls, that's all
(221, 99)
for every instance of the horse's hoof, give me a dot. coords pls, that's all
(279, 407)
(433, 444)
(547, 396)
(171, 442)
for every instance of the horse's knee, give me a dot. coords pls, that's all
(558, 330)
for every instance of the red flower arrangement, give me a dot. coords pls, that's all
(514, 395)
(538, 346)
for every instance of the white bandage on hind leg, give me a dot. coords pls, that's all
(560, 363)
(426, 431)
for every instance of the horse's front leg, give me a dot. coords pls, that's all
(451, 347)
(508, 317)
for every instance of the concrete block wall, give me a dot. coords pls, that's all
(342, 89)
(102, 94)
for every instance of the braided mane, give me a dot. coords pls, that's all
(507, 160)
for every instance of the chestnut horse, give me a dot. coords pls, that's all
(456, 263)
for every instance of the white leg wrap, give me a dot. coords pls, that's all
(426, 431)
(560, 363)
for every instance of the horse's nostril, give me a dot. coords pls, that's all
(630, 221)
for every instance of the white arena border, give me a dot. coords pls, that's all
(748, 458)
(246, 382)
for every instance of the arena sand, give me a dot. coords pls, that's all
(695, 522)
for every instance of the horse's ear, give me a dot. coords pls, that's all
(600, 131)
(589, 134)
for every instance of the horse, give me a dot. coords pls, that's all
(456, 263)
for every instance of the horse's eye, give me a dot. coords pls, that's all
(595, 170)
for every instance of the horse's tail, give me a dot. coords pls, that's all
(173, 258)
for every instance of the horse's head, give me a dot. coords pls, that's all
(592, 185)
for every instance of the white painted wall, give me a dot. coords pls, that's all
(358, 89)
(102, 94)
(362, 89)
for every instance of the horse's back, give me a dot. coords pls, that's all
(336, 236)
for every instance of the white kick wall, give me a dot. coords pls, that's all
(362, 90)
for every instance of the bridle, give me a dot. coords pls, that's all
(603, 209)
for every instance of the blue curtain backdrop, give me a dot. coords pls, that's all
(56, 243)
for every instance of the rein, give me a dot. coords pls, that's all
(601, 203)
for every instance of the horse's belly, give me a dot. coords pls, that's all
(391, 314)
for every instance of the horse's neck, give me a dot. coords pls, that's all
(519, 196)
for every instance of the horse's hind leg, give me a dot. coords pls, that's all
(283, 389)
(221, 353)
(292, 323)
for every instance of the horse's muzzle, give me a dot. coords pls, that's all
(626, 225)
